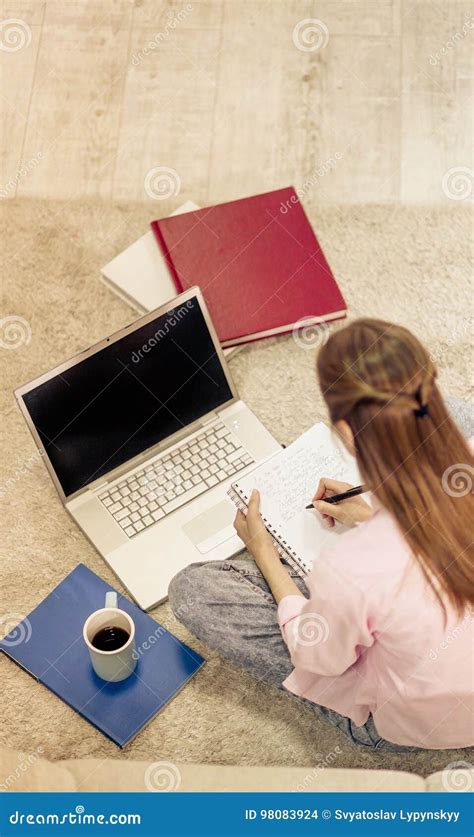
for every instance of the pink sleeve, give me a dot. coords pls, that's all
(326, 633)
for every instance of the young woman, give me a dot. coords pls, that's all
(378, 637)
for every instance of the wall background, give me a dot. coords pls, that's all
(368, 101)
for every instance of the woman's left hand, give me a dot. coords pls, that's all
(251, 529)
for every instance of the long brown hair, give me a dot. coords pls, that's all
(378, 378)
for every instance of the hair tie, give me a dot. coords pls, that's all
(422, 412)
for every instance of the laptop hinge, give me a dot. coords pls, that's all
(210, 419)
(98, 488)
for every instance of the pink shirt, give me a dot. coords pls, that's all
(371, 638)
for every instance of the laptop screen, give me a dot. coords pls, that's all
(128, 396)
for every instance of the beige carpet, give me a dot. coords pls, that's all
(409, 265)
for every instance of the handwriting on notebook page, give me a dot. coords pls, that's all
(288, 482)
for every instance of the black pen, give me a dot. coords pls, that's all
(352, 492)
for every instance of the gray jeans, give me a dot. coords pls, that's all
(235, 614)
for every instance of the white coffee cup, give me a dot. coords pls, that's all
(111, 665)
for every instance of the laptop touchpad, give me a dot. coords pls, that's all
(212, 527)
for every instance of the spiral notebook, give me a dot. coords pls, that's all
(287, 482)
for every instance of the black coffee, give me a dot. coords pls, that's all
(110, 638)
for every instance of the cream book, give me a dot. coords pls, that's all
(139, 275)
(287, 482)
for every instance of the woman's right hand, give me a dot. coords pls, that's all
(351, 511)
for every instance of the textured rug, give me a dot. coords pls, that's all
(410, 265)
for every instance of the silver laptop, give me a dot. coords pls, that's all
(142, 435)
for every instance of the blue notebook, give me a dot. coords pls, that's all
(50, 646)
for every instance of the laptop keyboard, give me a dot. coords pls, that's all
(167, 483)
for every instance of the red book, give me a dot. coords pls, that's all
(257, 262)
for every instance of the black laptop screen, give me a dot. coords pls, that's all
(130, 395)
